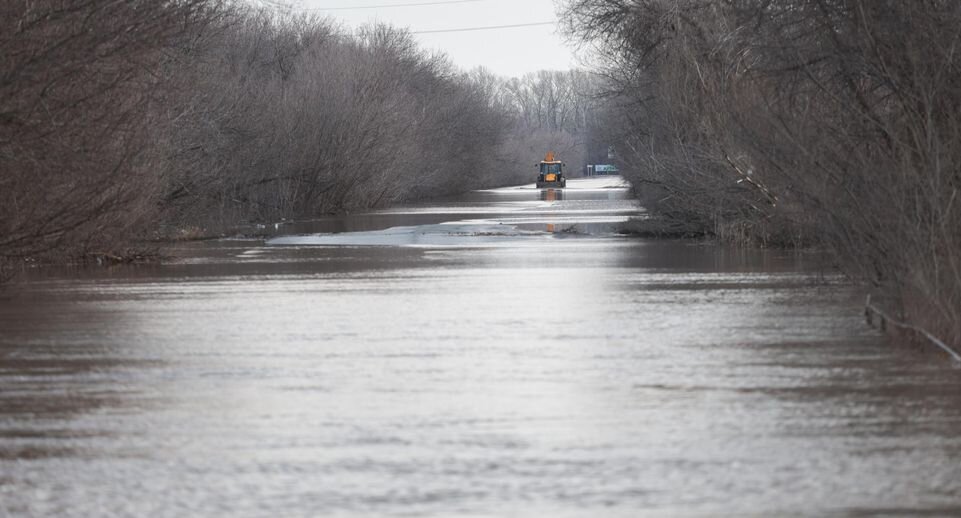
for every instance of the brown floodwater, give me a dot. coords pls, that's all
(499, 354)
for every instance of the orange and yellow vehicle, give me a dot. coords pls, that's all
(551, 174)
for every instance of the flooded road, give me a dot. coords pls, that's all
(501, 354)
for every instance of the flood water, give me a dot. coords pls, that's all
(500, 354)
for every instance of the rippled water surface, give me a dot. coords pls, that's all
(509, 357)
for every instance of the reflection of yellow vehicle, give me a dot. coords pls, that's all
(551, 172)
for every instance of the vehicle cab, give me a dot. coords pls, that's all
(551, 173)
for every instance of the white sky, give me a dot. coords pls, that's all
(508, 51)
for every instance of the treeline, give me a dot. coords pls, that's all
(291, 117)
(145, 118)
(554, 110)
(787, 122)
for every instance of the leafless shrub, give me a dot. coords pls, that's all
(77, 80)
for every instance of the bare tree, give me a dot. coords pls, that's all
(77, 80)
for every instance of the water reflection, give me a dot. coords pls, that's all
(551, 195)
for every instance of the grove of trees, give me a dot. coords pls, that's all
(785, 122)
(133, 119)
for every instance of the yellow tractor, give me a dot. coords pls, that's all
(551, 173)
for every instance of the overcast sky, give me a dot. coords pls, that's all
(506, 51)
